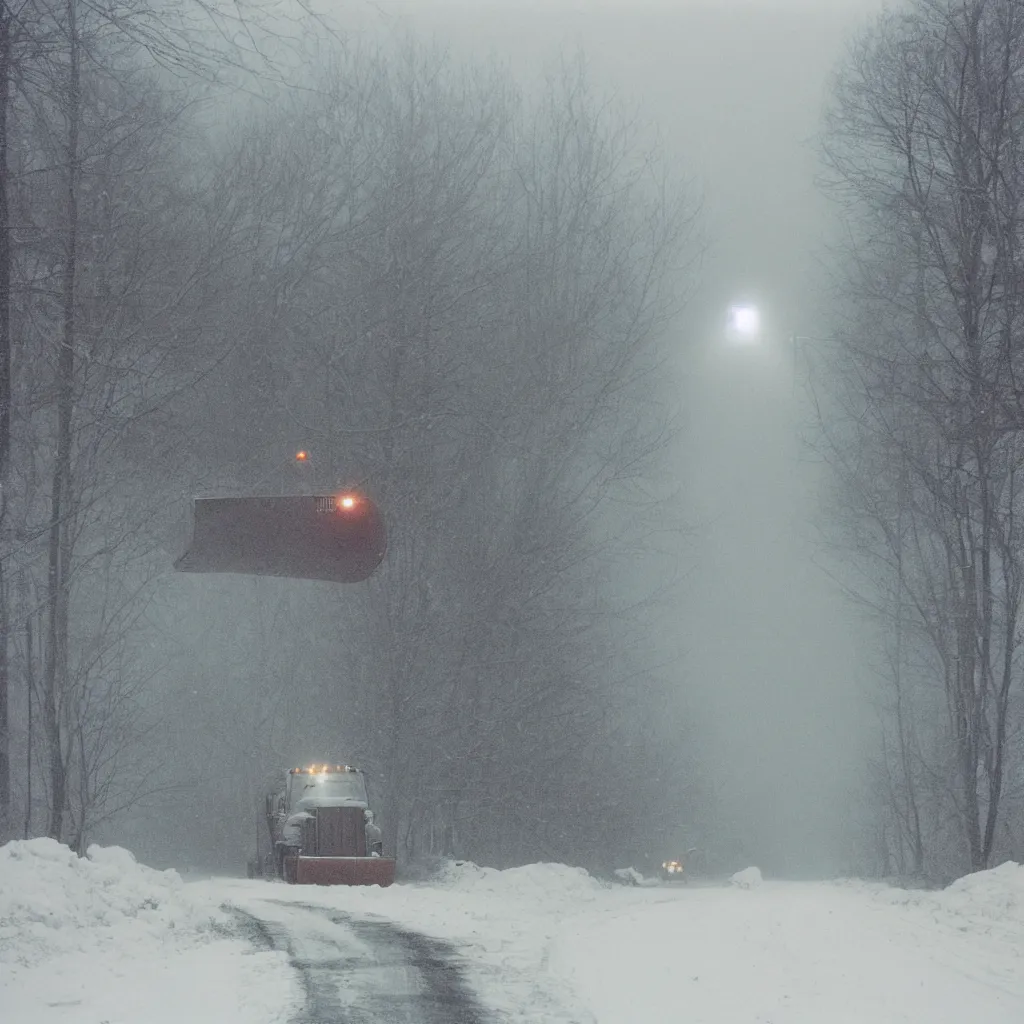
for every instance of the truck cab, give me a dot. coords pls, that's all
(325, 786)
(318, 825)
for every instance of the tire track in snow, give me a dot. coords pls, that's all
(356, 971)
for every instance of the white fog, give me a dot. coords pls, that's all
(509, 511)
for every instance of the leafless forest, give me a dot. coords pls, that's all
(230, 233)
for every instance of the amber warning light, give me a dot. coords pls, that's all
(301, 456)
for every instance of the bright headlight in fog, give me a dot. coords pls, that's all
(744, 322)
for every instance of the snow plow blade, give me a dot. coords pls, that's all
(339, 539)
(344, 871)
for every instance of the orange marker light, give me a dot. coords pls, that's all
(301, 456)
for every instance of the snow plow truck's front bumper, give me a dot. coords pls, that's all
(340, 870)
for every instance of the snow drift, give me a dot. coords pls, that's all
(990, 902)
(748, 878)
(801, 953)
(530, 882)
(998, 892)
(101, 938)
(52, 902)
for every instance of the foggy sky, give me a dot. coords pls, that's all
(770, 663)
(764, 648)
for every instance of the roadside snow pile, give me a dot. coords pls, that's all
(989, 902)
(52, 902)
(998, 892)
(630, 876)
(532, 882)
(748, 878)
(792, 953)
(986, 903)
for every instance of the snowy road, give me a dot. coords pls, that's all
(416, 954)
(802, 953)
(361, 971)
(103, 940)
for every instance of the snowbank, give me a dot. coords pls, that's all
(998, 892)
(53, 901)
(748, 878)
(530, 882)
(989, 904)
(103, 938)
(800, 953)
(630, 876)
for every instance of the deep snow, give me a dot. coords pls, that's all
(103, 939)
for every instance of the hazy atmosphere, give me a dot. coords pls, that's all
(592, 301)
(762, 648)
(511, 512)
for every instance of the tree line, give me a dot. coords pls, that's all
(451, 292)
(922, 412)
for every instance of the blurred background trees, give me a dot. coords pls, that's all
(451, 294)
(924, 411)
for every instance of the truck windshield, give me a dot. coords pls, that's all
(327, 788)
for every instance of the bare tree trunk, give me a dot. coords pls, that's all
(1011, 599)
(30, 687)
(5, 420)
(59, 539)
(904, 724)
(964, 701)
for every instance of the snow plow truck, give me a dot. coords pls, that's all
(321, 831)
(319, 825)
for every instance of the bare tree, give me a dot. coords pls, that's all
(458, 301)
(31, 36)
(6, 32)
(117, 265)
(925, 140)
(18, 41)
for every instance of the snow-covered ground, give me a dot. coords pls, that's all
(787, 953)
(105, 940)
